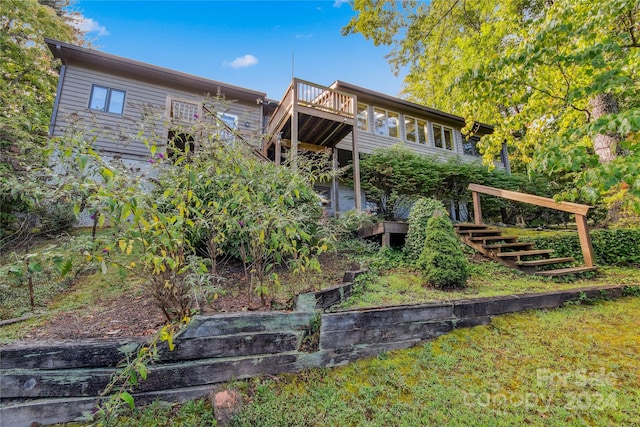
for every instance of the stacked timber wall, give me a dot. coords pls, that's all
(58, 382)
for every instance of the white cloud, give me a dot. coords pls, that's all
(242, 61)
(338, 3)
(88, 25)
(304, 36)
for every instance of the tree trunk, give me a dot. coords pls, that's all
(607, 146)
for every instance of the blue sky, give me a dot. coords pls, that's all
(245, 43)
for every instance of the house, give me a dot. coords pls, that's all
(109, 94)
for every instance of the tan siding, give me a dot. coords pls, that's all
(111, 130)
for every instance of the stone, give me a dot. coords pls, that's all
(226, 404)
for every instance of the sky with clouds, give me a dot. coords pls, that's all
(259, 45)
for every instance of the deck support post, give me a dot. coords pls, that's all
(334, 183)
(356, 168)
(278, 149)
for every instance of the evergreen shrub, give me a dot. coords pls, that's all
(442, 261)
(423, 209)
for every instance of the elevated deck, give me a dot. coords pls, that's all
(314, 118)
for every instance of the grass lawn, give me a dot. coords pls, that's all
(487, 278)
(577, 365)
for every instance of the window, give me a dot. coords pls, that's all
(184, 111)
(228, 124)
(416, 130)
(107, 99)
(443, 137)
(386, 123)
(470, 146)
(363, 117)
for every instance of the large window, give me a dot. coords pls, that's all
(416, 130)
(363, 117)
(386, 123)
(107, 99)
(443, 137)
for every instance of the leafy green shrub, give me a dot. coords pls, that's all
(349, 222)
(421, 212)
(610, 247)
(442, 262)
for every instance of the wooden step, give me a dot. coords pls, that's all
(509, 245)
(565, 271)
(493, 238)
(546, 261)
(485, 232)
(524, 253)
(469, 225)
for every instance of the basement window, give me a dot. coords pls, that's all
(107, 99)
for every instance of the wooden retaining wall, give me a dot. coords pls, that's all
(57, 382)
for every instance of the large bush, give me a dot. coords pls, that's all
(610, 247)
(422, 210)
(442, 261)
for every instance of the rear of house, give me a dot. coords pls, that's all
(110, 97)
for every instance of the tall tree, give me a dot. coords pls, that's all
(558, 79)
(27, 90)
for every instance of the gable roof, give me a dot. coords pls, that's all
(91, 58)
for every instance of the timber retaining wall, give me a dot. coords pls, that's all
(58, 382)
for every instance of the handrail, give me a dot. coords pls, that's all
(579, 210)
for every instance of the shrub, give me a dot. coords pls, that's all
(442, 262)
(610, 247)
(421, 212)
(348, 223)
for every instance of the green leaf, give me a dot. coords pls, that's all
(127, 398)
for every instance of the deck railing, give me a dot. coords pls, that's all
(311, 95)
(580, 212)
(324, 98)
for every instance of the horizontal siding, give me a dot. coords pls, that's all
(112, 131)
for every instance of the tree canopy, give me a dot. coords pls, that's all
(27, 90)
(559, 80)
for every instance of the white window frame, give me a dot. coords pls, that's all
(443, 129)
(386, 121)
(106, 107)
(223, 133)
(416, 125)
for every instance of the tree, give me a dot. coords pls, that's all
(27, 90)
(559, 80)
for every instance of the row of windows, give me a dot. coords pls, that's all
(387, 123)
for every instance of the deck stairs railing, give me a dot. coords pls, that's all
(524, 256)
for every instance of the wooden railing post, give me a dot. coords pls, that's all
(585, 240)
(477, 210)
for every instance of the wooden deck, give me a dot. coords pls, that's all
(385, 229)
(314, 118)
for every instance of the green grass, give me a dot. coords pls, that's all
(573, 366)
(487, 278)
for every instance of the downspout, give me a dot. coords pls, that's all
(56, 102)
(505, 158)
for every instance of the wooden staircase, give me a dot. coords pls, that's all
(509, 251)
